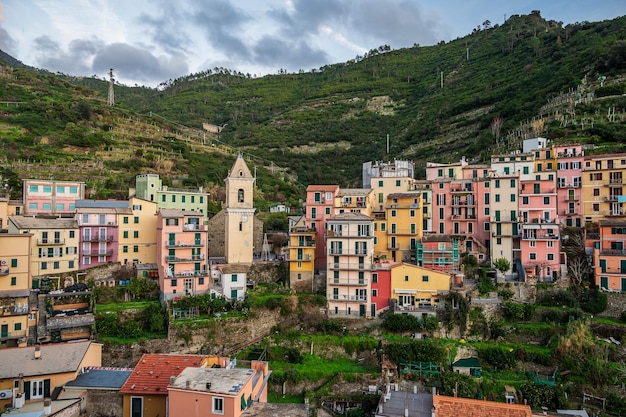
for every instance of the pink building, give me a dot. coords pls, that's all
(381, 286)
(539, 228)
(98, 230)
(217, 391)
(460, 207)
(320, 203)
(181, 253)
(51, 196)
(570, 161)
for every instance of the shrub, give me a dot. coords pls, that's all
(506, 294)
(593, 301)
(401, 323)
(330, 326)
(498, 357)
(516, 311)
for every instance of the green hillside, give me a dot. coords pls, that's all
(435, 103)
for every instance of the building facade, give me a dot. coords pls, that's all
(51, 196)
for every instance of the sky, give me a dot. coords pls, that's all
(150, 42)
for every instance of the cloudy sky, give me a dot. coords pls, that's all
(148, 42)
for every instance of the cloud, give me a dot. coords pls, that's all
(167, 29)
(76, 60)
(140, 65)
(276, 52)
(7, 43)
(221, 24)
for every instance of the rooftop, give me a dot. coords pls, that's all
(467, 407)
(101, 378)
(22, 222)
(101, 204)
(55, 359)
(151, 375)
(214, 380)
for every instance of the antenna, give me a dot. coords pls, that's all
(111, 98)
(387, 142)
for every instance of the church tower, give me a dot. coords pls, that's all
(239, 212)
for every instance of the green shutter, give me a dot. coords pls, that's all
(46, 388)
(27, 389)
(243, 403)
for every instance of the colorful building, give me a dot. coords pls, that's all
(181, 253)
(51, 196)
(15, 273)
(381, 286)
(302, 256)
(504, 226)
(98, 230)
(404, 218)
(349, 264)
(145, 391)
(570, 161)
(320, 205)
(417, 289)
(439, 253)
(138, 232)
(610, 256)
(604, 187)
(31, 374)
(217, 391)
(54, 246)
(150, 187)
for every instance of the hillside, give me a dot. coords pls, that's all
(473, 96)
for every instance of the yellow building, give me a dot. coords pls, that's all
(301, 256)
(418, 289)
(15, 316)
(54, 246)
(138, 232)
(504, 219)
(31, 374)
(354, 200)
(404, 219)
(604, 187)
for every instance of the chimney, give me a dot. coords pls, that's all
(38, 352)
(47, 406)
(172, 380)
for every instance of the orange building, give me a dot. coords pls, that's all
(217, 391)
(610, 257)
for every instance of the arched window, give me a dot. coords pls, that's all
(240, 195)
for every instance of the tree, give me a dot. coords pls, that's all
(578, 269)
(502, 265)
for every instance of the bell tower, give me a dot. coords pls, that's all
(239, 212)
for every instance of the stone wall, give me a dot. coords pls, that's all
(616, 304)
(97, 398)
(217, 234)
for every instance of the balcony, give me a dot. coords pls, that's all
(303, 258)
(189, 274)
(304, 244)
(541, 191)
(104, 238)
(574, 185)
(190, 227)
(463, 203)
(613, 252)
(616, 181)
(181, 244)
(414, 206)
(569, 213)
(401, 231)
(540, 236)
(50, 242)
(505, 219)
(611, 198)
(462, 188)
(108, 252)
(194, 258)
(615, 213)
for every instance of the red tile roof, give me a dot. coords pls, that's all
(455, 406)
(152, 373)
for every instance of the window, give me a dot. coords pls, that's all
(328, 211)
(533, 256)
(173, 198)
(17, 326)
(47, 188)
(524, 200)
(163, 197)
(313, 212)
(551, 257)
(233, 278)
(33, 188)
(13, 281)
(135, 248)
(546, 201)
(136, 406)
(497, 183)
(240, 195)
(125, 249)
(47, 206)
(73, 190)
(218, 405)
(136, 234)
(374, 293)
(56, 265)
(60, 206)
(512, 197)
(125, 234)
(70, 264)
(182, 199)
(596, 192)
(125, 219)
(486, 211)
(424, 278)
(393, 213)
(525, 170)
(14, 263)
(374, 278)
(33, 206)
(486, 196)
(136, 220)
(497, 198)
(174, 283)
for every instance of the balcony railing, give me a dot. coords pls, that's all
(98, 253)
(106, 238)
(615, 213)
(541, 236)
(190, 274)
(463, 203)
(181, 244)
(51, 242)
(194, 258)
(531, 191)
(194, 227)
(613, 252)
